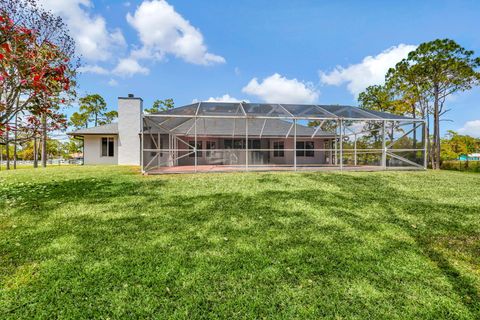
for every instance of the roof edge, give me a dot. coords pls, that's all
(105, 129)
(130, 98)
(91, 134)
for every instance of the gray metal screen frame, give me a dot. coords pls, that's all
(338, 148)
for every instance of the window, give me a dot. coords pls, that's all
(234, 144)
(107, 147)
(278, 147)
(254, 144)
(241, 144)
(210, 146)
(309, 146)
(305, 149)
(191, 144)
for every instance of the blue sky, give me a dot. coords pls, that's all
(275, 51)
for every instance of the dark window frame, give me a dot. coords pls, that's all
(210, 145)
(234, 143)
(278, 149)
(191, 144)
(107, 147)
(305, 148)
(241, 144)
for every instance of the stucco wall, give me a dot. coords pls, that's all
(129, 128)
(266, 143)
(93, 150)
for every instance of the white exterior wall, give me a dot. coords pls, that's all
(129, 128)
(93, 150)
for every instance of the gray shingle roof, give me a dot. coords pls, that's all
(229, 127)
(111, 128)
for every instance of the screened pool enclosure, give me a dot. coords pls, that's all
(214, 136)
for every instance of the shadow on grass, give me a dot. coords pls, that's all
(465, 287)
(144, 249)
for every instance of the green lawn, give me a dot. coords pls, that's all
(106, 242)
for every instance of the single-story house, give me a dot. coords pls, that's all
(220, 136)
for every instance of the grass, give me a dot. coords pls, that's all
(105, 242)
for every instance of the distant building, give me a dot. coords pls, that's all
(470, 157)
(76, 155)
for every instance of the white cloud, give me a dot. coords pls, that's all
(471, 128)
(128, 67)
(163, 31)
(370, 71)
(276, 88)
(225, 98)
(94, 42)
(93, 69)
(113, 83)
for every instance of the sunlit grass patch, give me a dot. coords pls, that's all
(106, 242)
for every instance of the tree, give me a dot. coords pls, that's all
(50, 98)
(6, 152)
(92, 109)
(73, 146)
(412, 90)
(161, 105)
(108, 117)
(37, 63)
(444, 68)
(94, 106)
(381, 98)
(50, 122)
(455, 145)
(79, 120)
(36, 128)
(37, 58)
(421, 83)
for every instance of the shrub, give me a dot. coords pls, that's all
(472, 166)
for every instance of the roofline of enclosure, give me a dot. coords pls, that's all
(278, 118)
(285, 109)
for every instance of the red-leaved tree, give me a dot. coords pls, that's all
(37, 64)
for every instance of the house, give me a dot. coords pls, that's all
(115, 143)
(218, 136)
(470, 157)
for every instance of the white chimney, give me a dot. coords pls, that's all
(130, 111)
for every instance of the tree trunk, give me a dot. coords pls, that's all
(7, 150)
(426, 137)
(436, 130)
(35, 153)
(392, 132)
(414, 115)
(15, 138)
(44, 140)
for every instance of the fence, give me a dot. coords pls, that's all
(50, 162)
(471, 166)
